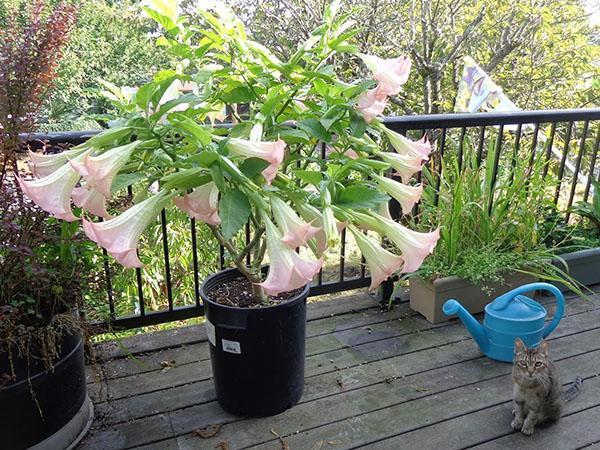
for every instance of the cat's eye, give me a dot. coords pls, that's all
(539, 364)
(522, 363)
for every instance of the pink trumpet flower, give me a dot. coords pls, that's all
(100, 171)
(382, 263)
(90, 200)
(43, 165)
(120, 236)
(296, 232)
(53, 192)
(371, 103)
(287, 270)
(201, 204)
(415, 246)
(406, 195)
(407, 147)
(406, 165)
(319, 244)
(391, 73)
(272, 152)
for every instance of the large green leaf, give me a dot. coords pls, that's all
(234, 211)
(360, 197)
(314, 128)
(200, 134)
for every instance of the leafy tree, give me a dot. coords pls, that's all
(541, 51)
(112, 41)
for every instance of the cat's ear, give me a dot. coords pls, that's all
(519, 346)
(544, 347)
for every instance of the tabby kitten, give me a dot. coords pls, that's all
(538, 394)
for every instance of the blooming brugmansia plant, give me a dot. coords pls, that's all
(266, 167)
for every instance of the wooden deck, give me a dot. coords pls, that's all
(381, 380)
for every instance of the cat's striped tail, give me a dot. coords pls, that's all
(573, 389)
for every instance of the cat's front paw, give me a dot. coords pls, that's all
(516, 424)
(527, 430)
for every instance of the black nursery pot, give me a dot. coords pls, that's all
(257, 354)
(59, 412)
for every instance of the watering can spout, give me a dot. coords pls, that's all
(479, 333)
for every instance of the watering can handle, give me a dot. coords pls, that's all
(560, 302)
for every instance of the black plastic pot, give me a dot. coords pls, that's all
(49, 408)
(257, 354)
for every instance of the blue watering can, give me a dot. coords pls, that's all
(510, 316)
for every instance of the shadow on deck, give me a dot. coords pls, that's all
(382, 380)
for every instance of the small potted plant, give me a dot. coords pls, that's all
(265, 170)
(43, 398)
(491, 241)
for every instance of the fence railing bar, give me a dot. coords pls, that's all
(439, 158)
(495, 167)
(461, 145)
(592, 167)
(342, 255)
(563, 160)
(195, 261)
(480, 146)
(109, 291)
(165, 237)
(533, 148)
(580, 154)
(549, 143)
(515, 154)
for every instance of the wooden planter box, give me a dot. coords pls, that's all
(584, 267)
(428, 297)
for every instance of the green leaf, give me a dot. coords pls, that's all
(309, 176)
(144, 94)
(166, 107)
(234, 211)
(185, 179)
(112, 136)
(358, 126)
(188, 127)
(240, 94)
(314, 128)
(253, 166)
(125, 179)
(360, 197)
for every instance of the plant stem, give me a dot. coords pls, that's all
(251, 274)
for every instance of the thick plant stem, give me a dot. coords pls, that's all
(252, 274)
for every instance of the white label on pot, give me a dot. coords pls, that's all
(210, 331)
(231, 346)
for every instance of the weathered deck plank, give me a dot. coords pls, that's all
(382, 380)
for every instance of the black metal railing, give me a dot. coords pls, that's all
(568, 141)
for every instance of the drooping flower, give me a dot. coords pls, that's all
(406, 195)
(100, 171)
(391, 73)
(287, 270)
(52, 193)
(405, 146)
(201, 204)
(319, 243)
(406, 165)
(371, 103)
(43, 165)
(382, 263)
(120, 235)
(91, 200)
(296, 232)
(272, 152)
(415, 246)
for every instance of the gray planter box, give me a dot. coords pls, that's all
(427, 297)
(584, 267)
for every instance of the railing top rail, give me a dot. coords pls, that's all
(413, 122)
(491, 118)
